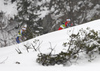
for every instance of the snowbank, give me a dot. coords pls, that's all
(28, 60)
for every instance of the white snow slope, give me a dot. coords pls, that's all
(9, 57)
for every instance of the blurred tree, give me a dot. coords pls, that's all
(27, 15)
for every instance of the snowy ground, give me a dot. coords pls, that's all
(9, 57)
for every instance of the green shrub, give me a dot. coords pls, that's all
(85, 42)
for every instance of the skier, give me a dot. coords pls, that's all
(62, 26)
(65, 25)
(20, 34)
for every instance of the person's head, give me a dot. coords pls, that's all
(23, 29)
(68, 20)
(25, 26)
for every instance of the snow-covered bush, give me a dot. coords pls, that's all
(85, 42)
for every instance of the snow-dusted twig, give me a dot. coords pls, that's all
(52, 49)
(3, 61)
(18, 51)
(38, 47)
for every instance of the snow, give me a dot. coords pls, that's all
(43, 13)
(27, 60)
(42, 2)
(92, 12)
(90, 4)
(9, 9)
